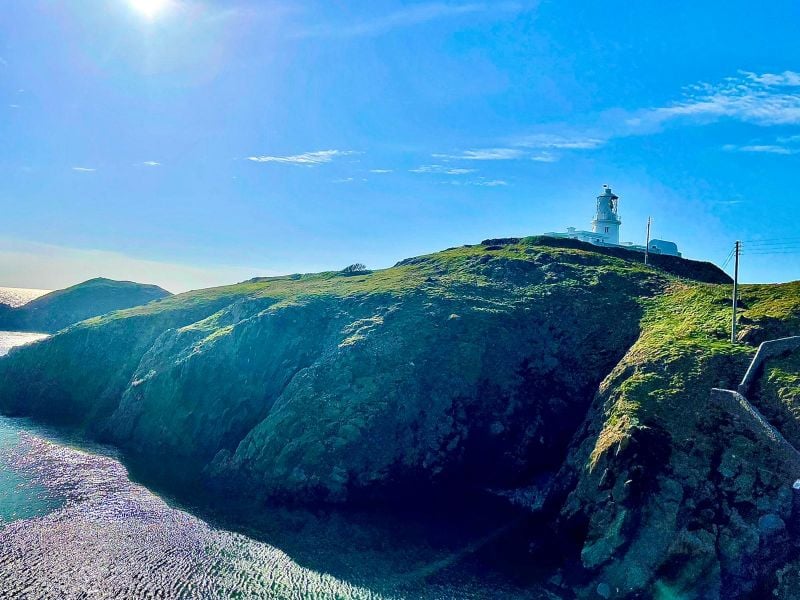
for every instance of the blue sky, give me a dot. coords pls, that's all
(216, 141)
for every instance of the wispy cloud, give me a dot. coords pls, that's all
(766, 148)
(442, 170)
(349, 180)
(410, 17)
(760, 99)
(309, 159)
(549, 141)
(3, 62)
(784, 144)
(538, 147)
(84, 169)
(381, 171)
(480, 182)
(484, 154)
(151, 163)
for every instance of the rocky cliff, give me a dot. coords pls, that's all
(555, 375)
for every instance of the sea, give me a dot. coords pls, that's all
(75, 524)
(19, 296)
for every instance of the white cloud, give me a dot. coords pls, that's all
(766, 99)
(83, 169)
(151, 163)
(767, 148)
(560, 142)
(442, 170)
(13, 105)
(481, 182)
(523, 148)
(381, 171)
(484, 154)
(308, 158)
(409, 17)
(787, 78)
(3, 61)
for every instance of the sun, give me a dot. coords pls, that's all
(149, 8)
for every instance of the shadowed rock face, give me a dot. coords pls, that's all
(57, 310)
(478, 369)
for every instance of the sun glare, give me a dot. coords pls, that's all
(149, 8)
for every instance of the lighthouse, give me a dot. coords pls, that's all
(606, 221)
(605, 229)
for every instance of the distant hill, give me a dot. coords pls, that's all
(62, 308)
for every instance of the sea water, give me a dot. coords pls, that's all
(73, 525)
(19, 296)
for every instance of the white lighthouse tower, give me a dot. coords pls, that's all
(605, 229)
(606, 221)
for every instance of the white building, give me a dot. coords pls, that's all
(605, 228)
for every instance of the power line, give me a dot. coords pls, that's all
(728, 259)
(772, 244)
(786, 246)
(794, 251)
(775, 239)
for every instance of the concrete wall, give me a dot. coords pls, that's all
(736, 404)
(767, 350)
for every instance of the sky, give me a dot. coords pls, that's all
(192, 143)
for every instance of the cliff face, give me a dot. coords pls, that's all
(57, 310)
(482, 369)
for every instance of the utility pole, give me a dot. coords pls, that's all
(737, 249)
(647, 244)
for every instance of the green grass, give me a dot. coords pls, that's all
(684, 350)
(442, 273)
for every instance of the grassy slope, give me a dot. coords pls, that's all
(670, 488)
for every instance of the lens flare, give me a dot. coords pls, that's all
(149, 8)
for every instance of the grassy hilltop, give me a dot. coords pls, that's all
(520, 368)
